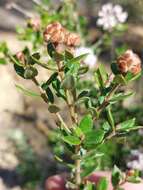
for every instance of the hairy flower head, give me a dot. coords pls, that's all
(129, 61)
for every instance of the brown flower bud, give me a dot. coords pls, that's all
(21, 57)
(34, 23)
(54, 32)
(129, 61)
(130, 173)
(72, 39)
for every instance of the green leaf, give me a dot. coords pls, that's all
(53, 108)
(89, 170)
(134, 179)
(101, 76)
(69, 82)
(57, 56)
(97, 79)
(103, 73)
(102, 184)
(101, 99)
(19, 70)
(15, 60)
(68, 55)
(92, 155)
(51, 49)
(26, 91)
(3, 61)
(120, 97)
(36, 55)
(110, 117)
(26, 52)
(50, 95)
(82, 100)
(83, 70)
(50, 80)
(79, 58)
(56, 84)
(33, 59)
(73, 68)
(121, 49)
(116, 176)
(93, 138)
(115, 69)
(58, 158)
(3, 48)
(106, 126)
(71, 140)
(131, 77)
(120, 79)
(83, 93)
(126, 125)
(86, 124)
(78, 131)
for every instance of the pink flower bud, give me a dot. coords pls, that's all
(56, 182)
(129, 61)
(130, 173)
(21, 57)
(34, 23)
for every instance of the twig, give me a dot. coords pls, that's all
(74, 119)
(63, 123)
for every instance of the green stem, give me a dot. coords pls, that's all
(74, 118)
(63, 123)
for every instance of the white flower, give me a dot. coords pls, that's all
(110, 16)
(90, 59)
(121, 16)
(136, 160)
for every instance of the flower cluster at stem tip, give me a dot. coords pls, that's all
(110, 16)
(61, 37)
(129, 61)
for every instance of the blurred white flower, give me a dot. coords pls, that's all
(90, 59)
(120, 15)
(110, 16)
(140, 131)
(136, 160)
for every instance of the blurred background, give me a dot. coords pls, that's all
(27, 140)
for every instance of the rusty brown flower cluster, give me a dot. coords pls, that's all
(129, 62)
(58, 35)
